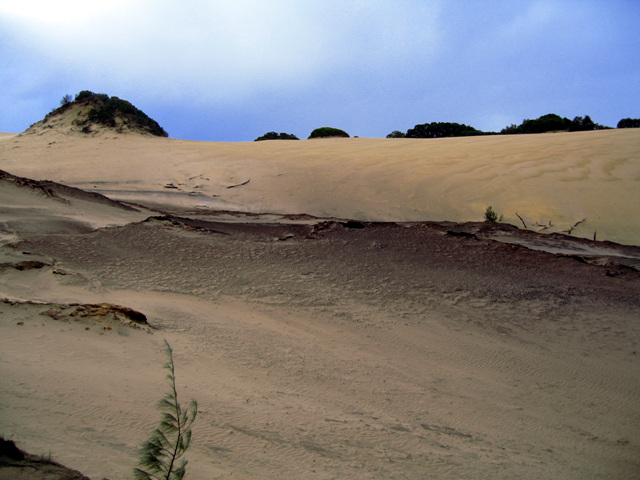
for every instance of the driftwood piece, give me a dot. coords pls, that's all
(239, 184)
(543, 227)
(575, 225)
(523, 224)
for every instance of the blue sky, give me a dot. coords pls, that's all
(231, 70)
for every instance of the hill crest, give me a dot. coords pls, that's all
(93, 113)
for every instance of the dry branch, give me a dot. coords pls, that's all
(239, 184)
(575, 225)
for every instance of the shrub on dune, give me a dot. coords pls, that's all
(396, 134)
(490, 215)
(276, 136)
(629, 123)
(442, 129)
(328, 132)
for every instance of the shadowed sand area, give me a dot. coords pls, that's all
(403, 344)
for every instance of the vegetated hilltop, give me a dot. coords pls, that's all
(90, 113)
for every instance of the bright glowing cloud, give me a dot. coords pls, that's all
(61, 12)
(221, 48)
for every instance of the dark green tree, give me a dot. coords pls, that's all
(546, 123)
(580, 124)
(552, 122)
(277, 136)
(66, 100)
(328, 132)
(396, 134)
(629, 123)
(442, 129)
(160, 454)
(511, 129)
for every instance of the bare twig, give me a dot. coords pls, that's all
(239, 184)
(575, 225)
(524, 224)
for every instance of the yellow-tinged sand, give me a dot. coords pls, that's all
(557, 178)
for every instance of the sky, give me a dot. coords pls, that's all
(232, 70)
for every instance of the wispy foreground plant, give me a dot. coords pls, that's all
(160, 456)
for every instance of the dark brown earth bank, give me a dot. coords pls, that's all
(16, 464)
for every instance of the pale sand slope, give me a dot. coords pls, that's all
(559, 178)
(387, 352)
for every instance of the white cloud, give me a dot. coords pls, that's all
(222, 49)
(62, 12)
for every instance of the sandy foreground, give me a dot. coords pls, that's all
(316, 347)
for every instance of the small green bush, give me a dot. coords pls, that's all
(328, 132)
(490, 215)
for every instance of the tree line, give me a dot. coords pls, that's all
(546, 123)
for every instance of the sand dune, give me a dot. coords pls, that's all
(320, 348)
(552, 180)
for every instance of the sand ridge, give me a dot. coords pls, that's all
(551, 180)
